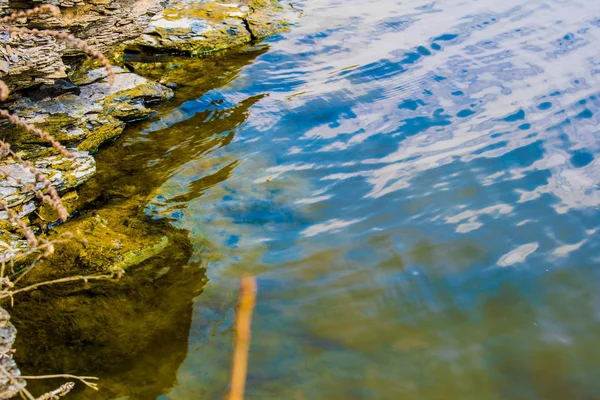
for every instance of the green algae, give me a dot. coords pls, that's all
(101, 133)
(131, 333)
(54, 124)
(136, 257)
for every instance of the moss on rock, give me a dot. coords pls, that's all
(205, 26)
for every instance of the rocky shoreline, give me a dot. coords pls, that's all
(54, 88)
(76, 104)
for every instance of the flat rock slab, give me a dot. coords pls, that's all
(86, 120)
(195, 27)
(27, 60)
(17, 189)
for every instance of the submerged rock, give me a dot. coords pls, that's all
(196, 27)
(122, 330)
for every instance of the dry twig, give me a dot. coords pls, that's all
(82, 379)
(56, 393)
(10, 293)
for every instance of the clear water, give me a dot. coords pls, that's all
(416, 187)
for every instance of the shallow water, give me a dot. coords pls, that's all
(415, 186)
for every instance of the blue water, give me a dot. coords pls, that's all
(415, 186)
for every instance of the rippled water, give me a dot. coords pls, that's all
(415, 185)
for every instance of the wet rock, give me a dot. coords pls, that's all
(17, 189)
(193, 76)
(131, 333)
(12, 245)
(109, 240)
(195, 27)
(9, 385)
(265, 21)
(122, 330)
(47, 214)
(86, 119)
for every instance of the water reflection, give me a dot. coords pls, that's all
(415, 185)
(411, 193)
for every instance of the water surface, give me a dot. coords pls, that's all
(415, 186)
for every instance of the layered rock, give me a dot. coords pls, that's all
(196, 27)
(10, 383)
(27, 60)
(93, 114)
(82, 121)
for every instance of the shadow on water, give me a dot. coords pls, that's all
(132, 333)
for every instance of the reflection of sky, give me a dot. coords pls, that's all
(404, 153)
(390, 91)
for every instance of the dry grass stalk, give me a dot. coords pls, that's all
(61, 391)
(243, 324)
(44, 9)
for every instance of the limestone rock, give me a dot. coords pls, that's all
(64, 173)
(30, 60)
(195, 27)
(87, 119)
(8, 333)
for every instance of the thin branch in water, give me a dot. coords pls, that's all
(82, 379)
(63, 390)
(9, 293)
(243, 323)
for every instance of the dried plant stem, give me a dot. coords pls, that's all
(44, 9)
(4, 91)
(82, 379)
(242, 344)
(10, 293)
(69, 38)
(48, 246)
(41, 133)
